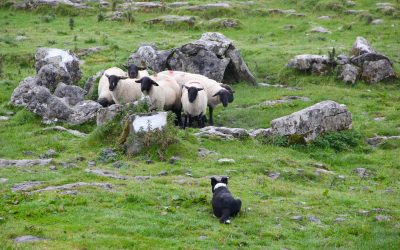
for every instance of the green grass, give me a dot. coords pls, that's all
(173, 211)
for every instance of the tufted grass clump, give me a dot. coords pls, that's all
(339, 141)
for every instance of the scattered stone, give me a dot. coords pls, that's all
(203, 152)
(68, 164)
(53, 168)
(379, 119)
(320, 171)
(119, 164)
(142, 178)
(24, 163)
(377, 22)
(382, 218)
(61, 58)
(70, 192)
(148, 5)
(70, 94)
(361, 46)
(223, 132)
(273, 175)
(378, 140)
(91, 82)
(342, 60)
(297, 217)
(163, 173)
(289, 27)
(50, 76)
(324, 17)
(285, 99)
(27, 238)
(368, 57)
(339, 219)
(26, 186)
(108, 113)
(226, 161)
(151, 58)
(261, 132)
(20, 38)
(377, 71)
(341, 177)
(364, 212)
(314, 219)
(149, 162)
(320, 29)
(107, 155)
(70, 131)
(306, 61)
(362, 172)
(209, 6)
(163, 213)
(379, 210)
(177, 4)
(354, 12)
(30, 153)
(202, 237)
(322, 117)
(320, 69)
(279, 11)
(91, 164)
(349, 73)
(174, 159)
(3, 180)
(4, 118)
(115, 16)
(172, 20)
(223, 23)
(350, 3)
(106, 173)
(75, 185)
(89, 51)
(386, 8)
(388, 190)
(140, 125)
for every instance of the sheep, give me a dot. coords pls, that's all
(136, 71)
(123, 89)
(194, 103)
(164, 93)
(216, 92)
(105, 96)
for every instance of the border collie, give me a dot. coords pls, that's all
(223, 203)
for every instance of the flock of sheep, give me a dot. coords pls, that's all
(174, 91)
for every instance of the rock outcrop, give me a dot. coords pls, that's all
(213, 55)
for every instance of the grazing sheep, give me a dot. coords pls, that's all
(105, 96)
(216, 92)
(164, 92)
(136, 72)
(194, 103)
(123, 89)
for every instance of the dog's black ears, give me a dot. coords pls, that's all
(224, 180)
(213, 181)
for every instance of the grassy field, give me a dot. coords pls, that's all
(174, 211)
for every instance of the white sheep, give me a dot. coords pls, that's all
(123, 89)
(194, 103)
(105, 96)
(216, 92)
(164, 93)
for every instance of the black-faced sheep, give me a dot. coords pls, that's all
(105, 96)
(123, 89)
(136, 72)
(194, 103)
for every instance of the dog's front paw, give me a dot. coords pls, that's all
(227, 222)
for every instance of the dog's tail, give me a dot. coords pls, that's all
(238, 206)
(226, 213)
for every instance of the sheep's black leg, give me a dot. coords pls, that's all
(211, 115)
(185, 120)
(190, 121)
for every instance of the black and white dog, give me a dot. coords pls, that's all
(223, 203)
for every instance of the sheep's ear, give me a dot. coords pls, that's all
(123, 77)
(107, 75)
(224, 180)
(186, 87)
(154, 83)
(218, 93)
(139, 81)
(199, 89)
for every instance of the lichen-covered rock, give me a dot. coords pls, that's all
(59, 58)
(349, 73)
(309, 123)
(150, 57)
(32, 4)
(177, 4)
(319, 29)
(223, 132)
(91, 82)
(386, 8)
(361, 46)
(223, 23)
(148, 5)
(71, 94)
(84, 111)
(320, 69)
(213, 55)
(209, 6)
(108, 113)
(306, 61)
(376, 71)
(26, 85)
(51, 75)
(172, 20)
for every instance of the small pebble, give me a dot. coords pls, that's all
(339, 219)
(163, 173)
(297, 217)
(53, 168)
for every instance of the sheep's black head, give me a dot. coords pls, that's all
(113, 81)
(133, 70)
(192, 93)
(215, 182)
(227, 87)
(225, 96)
(146, 84)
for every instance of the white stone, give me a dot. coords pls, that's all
(150, 122)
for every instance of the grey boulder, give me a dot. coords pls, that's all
(361, 46)
(349, 73)
(305, 62)
(50, 75)
(150, 57)
(71, 94)
(376, 71)
(309, 123)
(59, 58)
